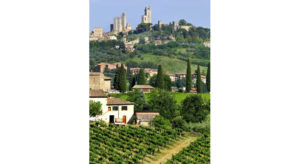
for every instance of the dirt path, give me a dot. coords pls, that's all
(167, 153)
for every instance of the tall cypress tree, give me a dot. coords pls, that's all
(159, 79)
(198, 83)
(128, 73)
(141, 77)
(122, 79)
(188, 86)
(208, 77)
(132, 82)
(116, 79)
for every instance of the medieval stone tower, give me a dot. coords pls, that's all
(120, 24)
(146, 18)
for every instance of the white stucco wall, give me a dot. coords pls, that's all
(117, 114)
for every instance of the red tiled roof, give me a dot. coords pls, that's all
(117, 101)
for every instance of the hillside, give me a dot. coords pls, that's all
(157, 46)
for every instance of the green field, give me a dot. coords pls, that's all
(170, 65)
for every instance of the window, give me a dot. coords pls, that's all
(115, 107)
(124, 107)
(109, 108)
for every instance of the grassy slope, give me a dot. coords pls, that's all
(179, 96)
(171, 65)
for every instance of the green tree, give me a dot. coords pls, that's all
(208, 77)
(116, 83)
(164, 102)
(198, 83)
(159, 83)
(188, 77)
(132, 81)
(95, 108)
(193, 108)
(138, 97)
(141, 77)
(122, 79)
(161, 122)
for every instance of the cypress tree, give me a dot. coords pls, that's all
(122, 79)
(159, 79)
(208, 77)
(198, 83)
(116, 79)
(132, 82)
(128, 73)
(141, 77)
(188, 86)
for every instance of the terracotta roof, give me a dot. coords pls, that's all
(142, 87)
(97, 94)
(117, 101)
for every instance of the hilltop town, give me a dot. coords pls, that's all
(149, 87)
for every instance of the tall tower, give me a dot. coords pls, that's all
(124, 22)
(146, 18)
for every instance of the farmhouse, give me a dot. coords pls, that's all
(114, 110)
(144, 117)
(144, 88)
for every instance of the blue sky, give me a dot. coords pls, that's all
(102, 12)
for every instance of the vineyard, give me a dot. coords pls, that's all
(127, 144)
(197, 152)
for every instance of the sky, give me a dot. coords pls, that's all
(102, 12)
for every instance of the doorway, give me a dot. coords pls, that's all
(124, 119)
(111, 119)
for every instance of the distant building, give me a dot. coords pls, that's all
(160, 24)
(144, 88)
(99, 82)
(146, 18)
(113, 38)
(206, 44)
(175, 25)
(114, 110)
(111, 66)
(144, 117)
(146, 70)
(97, 34)
(187, 28)
(120, 24)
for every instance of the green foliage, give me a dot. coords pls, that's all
(143, 27)
(132, 81)
(138, 97)
(198, 82)
(141, 77)
(208, 78)
(116, 83)
(194, 109)
(188, 77)
(164, 102)
(178, 123)
(161, 122)
(179, 83)
(159, 83)
(95, 108)
(106, 51)
(122, 78)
